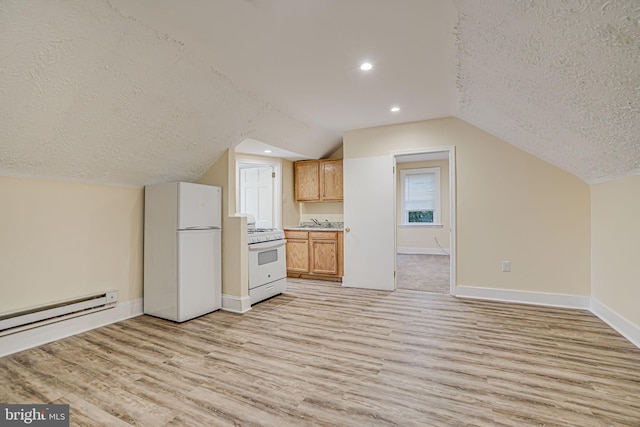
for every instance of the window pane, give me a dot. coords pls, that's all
(420, 191)
(421, 195)
(420, 216)
(267, 257)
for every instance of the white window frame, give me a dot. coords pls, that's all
(437, 215)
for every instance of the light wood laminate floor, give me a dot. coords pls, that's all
(325, 355)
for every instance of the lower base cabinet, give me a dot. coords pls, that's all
(297, 251)
(315, 254)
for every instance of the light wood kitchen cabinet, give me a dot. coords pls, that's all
(331, 180)
(315, 254)
(318, 180)
(307, 181)
(323, 252)
(297, 251)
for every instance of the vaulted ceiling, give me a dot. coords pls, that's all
(138, 92)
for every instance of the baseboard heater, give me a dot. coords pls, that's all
(21, 320)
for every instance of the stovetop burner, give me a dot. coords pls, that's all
(259, 235)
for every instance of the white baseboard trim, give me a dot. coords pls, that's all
(625, 328)
(236, 304)
(617, 322)
(524, 297)
(29, 338)
(421, 251)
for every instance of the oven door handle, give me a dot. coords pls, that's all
(260, 247)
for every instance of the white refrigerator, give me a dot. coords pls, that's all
(182, 250)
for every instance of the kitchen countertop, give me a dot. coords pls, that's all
(313, 228)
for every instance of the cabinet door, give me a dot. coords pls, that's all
(297, 256)
(331, 180)
(324, 257)
(307, 184)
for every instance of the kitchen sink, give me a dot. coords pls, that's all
(330, 226)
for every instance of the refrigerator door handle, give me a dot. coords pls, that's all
(200, 228)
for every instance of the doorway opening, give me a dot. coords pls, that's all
(258, 191)
(424, 225)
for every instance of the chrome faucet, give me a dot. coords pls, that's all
(327, 223)
(315, 221)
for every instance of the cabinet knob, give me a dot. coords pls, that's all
(347, 229)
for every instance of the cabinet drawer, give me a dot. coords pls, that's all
(323, 235)
(302, 235)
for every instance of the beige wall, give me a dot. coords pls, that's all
(510, 206)
(329, 211)
(338, 154)
(423, 237)
(615, 246)
(60, 240)
(290, 208)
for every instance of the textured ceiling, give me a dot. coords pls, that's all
(138, 92)
(559, 79)
(91, 95)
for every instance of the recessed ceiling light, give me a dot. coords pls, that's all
(395, 109)
(366, 66)
(267, 151)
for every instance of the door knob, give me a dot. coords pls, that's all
(347, 229)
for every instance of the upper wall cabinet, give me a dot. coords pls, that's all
(307, 181)
(318, 180)
(331, 180)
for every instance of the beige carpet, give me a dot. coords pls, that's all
(428, 273)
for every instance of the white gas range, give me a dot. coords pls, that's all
(259, 235)
(267, 262)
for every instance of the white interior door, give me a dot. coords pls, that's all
(369, 245)
(256, 194)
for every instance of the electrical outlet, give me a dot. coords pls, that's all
(506, 266)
